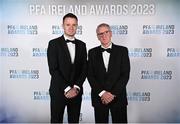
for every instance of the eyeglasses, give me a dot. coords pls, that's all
(103, 33)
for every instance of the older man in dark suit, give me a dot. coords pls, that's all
(108, 75)
(67, 58)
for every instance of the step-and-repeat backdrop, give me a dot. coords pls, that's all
(150, 29)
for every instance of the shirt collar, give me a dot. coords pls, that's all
(110, 46)
(67, 38)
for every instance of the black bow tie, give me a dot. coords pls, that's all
(107, 50)
(70, 41)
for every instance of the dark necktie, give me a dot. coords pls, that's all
(107, 50)
(70, 41)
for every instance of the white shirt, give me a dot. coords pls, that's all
(71, 48)
(106, 57)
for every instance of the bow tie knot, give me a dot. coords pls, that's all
(70, 41)
(107, 50)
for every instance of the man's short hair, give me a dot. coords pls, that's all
(70, 15)
(103, 25)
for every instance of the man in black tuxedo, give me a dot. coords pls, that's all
(67, 61)
(108, 75)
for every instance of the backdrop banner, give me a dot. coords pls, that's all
(150, 29)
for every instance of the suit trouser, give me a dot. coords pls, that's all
(73, 110)
(118, 114)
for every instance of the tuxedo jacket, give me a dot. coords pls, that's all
(114, 80)
(63, 72)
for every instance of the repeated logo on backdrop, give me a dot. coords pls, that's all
(119, 29)
(159, 29)
(9, 52)
(140, 52)
(41, 95)
(39, 52)
(139, 96)
(24, 74)
(58, 30)
(149, 29)
(173, 52)
(23, 29)
(156, 74)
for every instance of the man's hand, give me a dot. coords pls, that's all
(107, 97)
(73, 92)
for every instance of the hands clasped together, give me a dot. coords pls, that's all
(107, 98)
(73, 92)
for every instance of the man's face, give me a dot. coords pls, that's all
(70, 26)
(104, 35)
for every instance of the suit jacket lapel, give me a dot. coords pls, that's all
(111, 59)
(65, 48)
(100, 59)
(77, 51)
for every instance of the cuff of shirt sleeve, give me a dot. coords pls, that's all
(101, 93)
(67, 89)
(75, 86)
